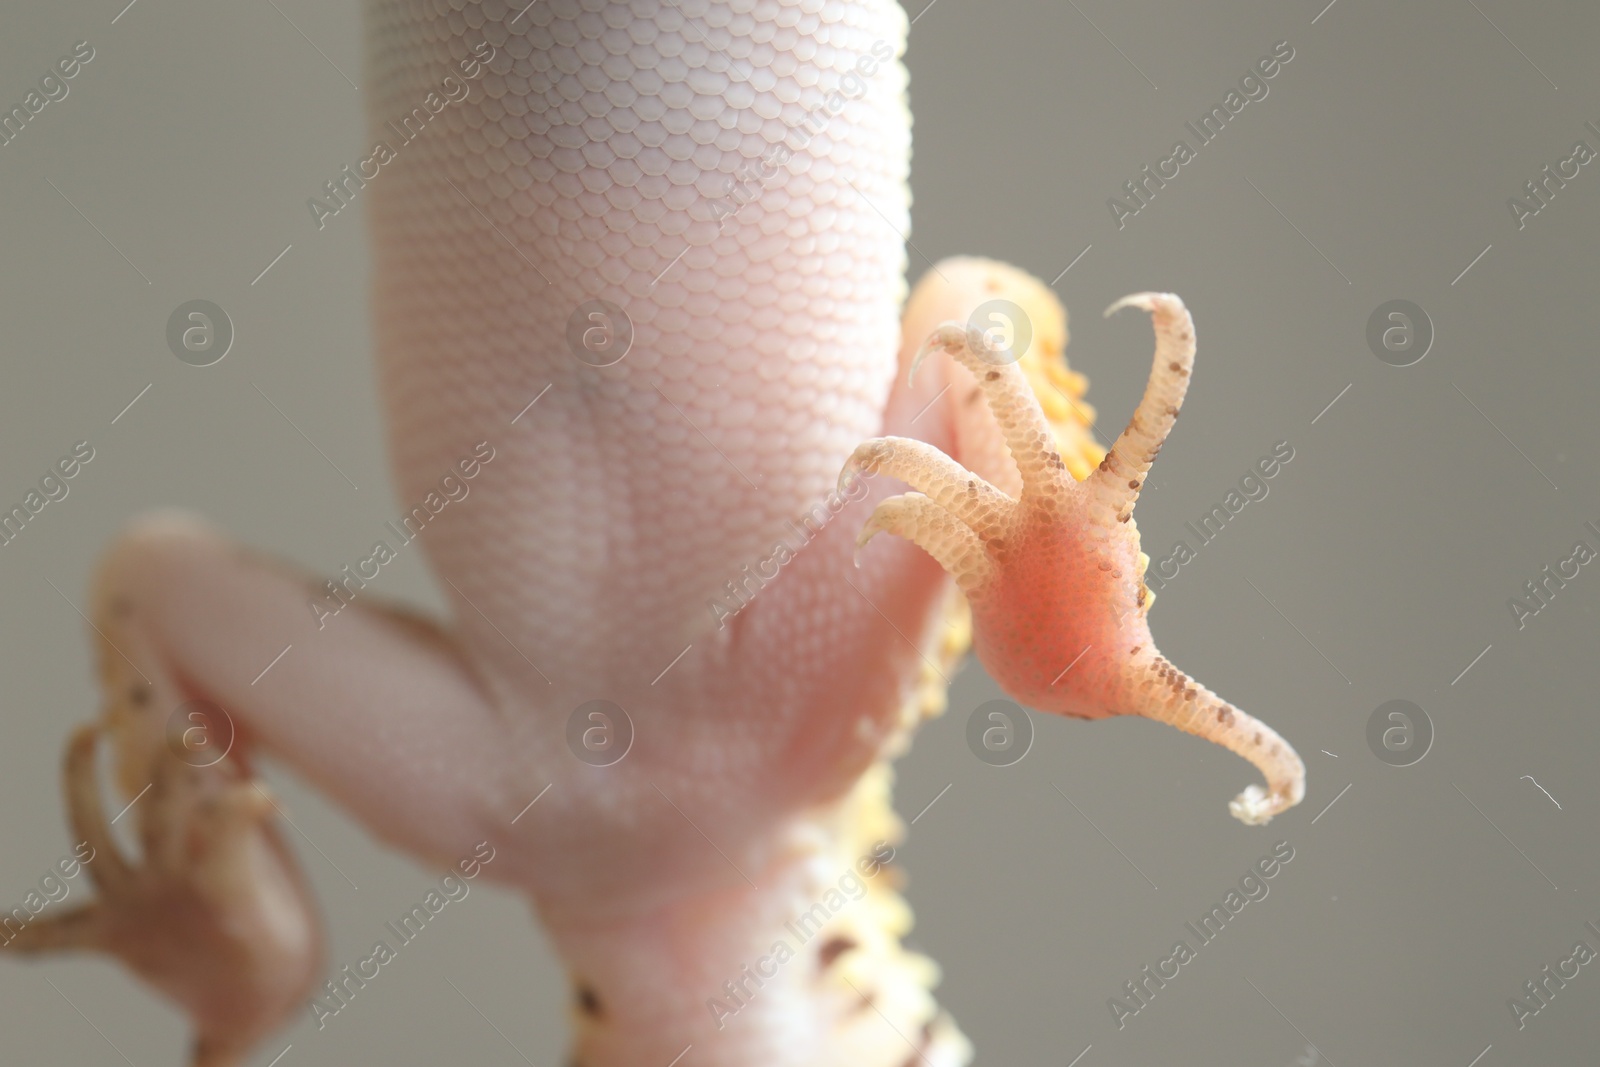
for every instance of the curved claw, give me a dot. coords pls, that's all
(948, 336)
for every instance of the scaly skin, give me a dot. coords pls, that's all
(604, 151)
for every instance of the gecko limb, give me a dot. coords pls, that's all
(1058, 598)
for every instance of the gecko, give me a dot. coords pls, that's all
(726, 181)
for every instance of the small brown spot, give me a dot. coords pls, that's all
(589, 1002)
(833, 949)
(1173, 412)
(1188, 694)
(1224, 716)
(139, 694)
(1257, 740)
(1135, 650)
(991, 376)
(1133, 483)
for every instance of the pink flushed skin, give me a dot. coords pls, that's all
(1052, 569)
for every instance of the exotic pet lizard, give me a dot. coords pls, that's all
(651, 266)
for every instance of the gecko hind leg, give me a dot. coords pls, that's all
(213, 915)
(1055, 576)
(214, 912)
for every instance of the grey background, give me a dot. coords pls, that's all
(1387, 548)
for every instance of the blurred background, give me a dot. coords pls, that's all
(1380, 566)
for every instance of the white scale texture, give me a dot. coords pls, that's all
(585, 164)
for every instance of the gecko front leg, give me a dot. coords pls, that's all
(1054, 575)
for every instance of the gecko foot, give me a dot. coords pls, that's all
(216, 916)
(1054, 575)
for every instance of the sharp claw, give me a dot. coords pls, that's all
(866, 460)
(851, 469)
(868, 453)
(939, 338)
(869, 530)
(1154, 303)
(916, 361)
(1144, 301)
(867, 534)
